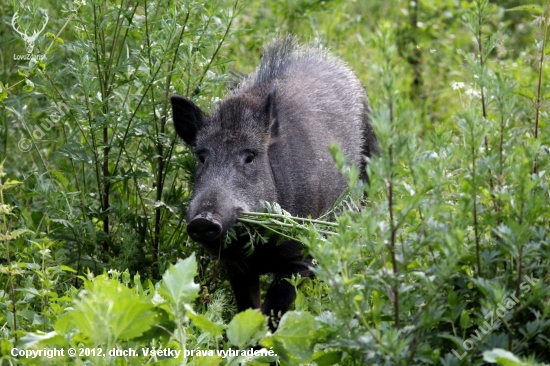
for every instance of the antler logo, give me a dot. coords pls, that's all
(29, 40)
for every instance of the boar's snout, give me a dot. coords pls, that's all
(204, 229)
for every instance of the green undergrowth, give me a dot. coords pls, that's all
(442, 258)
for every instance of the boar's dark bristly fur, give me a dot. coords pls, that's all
(268, 141)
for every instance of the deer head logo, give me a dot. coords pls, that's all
(29, 40)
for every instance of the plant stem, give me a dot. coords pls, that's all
(415, 57)
(312, 221)
(104, 183)
(61, 30)
(393, 232)
(539, 85)
(474, 195)
(220, 43)
(479, 38)
(8, 259)
(160, 148)
(276, 223)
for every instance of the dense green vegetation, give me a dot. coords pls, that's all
(446, 262)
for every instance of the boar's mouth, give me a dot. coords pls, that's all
(208, 229)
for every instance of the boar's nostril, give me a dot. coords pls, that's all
(203, 230)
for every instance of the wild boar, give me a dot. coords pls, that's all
(268, 141)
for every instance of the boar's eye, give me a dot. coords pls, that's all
(201, 155)
(249, 157)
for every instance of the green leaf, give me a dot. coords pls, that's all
(322, 358)
(246, 328)
(532, 8)
(294, 339)
(206, 361)
(62, 179)
(67, 268)
(29, 86)
(17, 233)
(12, 182)
(525, 92)
(502, 357)
(456, 340)
(134, 321)
(177, 282)
(109, 306)
(32, 340)
(76, 152)
(206, 325)
(5, 346)
(63, 324)
(55, 39)
(3, 91)
(465, 319)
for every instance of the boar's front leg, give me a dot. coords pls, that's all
(246, 288)
(281, 293)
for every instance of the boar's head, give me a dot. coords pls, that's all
(233, 172)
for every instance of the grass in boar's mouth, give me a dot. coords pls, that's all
(274, 221)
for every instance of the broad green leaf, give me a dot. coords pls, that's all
(246, 328)
(32, 340)
(5, 346)
(177, 282)
(322, 358)
(111, 307)
(206, 361)
(64, 324)
(134, 320)
(294, 339)
(502, 357)
(201, 322)
(532, 8)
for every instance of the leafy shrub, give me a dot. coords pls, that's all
(443, 261)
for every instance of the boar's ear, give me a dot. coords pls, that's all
(267, 114)
(188, 118)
